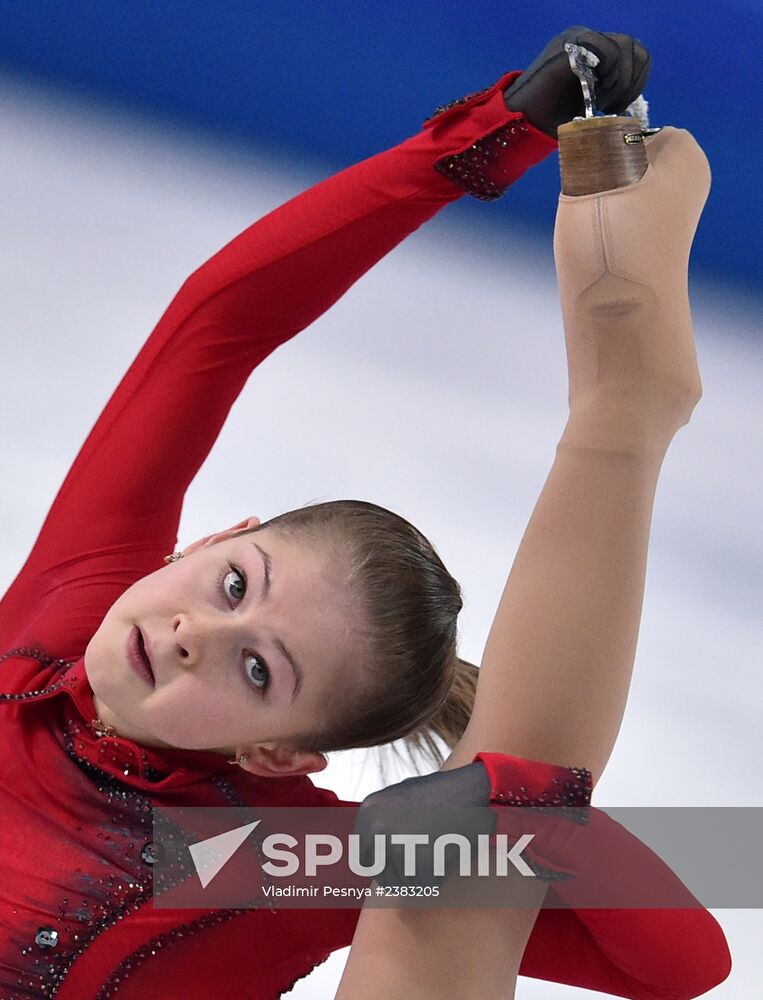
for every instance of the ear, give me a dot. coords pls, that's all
(269, 760)
(245, 525)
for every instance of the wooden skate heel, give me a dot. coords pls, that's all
(600, 153)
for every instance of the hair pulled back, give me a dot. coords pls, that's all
(412, 685)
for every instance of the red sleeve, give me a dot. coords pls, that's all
(117, 512)
(641, 953)
(631, 952)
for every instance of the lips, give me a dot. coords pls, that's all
(144, 652)
(138, 657)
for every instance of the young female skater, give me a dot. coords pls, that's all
(250, 634)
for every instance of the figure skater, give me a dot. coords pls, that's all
(222, 674)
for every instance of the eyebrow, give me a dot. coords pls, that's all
(298, 674)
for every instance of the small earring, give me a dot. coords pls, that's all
(174, 557)
(240, 760)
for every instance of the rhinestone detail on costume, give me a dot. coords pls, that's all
(229, 792)
(118, 892)
(567, 799)
(110, 988)
(150, 853)
(123, 970)
(46, 937)
(546, 874)
(54, 949)
(304, 975)
(46, 661)
(459, 100)
(468, 168)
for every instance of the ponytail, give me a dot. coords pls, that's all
(446, 725)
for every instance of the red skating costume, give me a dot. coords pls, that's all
(76, 920)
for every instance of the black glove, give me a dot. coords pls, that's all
(434, 804)
(548, 93)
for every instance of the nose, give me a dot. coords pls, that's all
(198, 640)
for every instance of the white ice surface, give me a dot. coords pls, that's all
(455, 336)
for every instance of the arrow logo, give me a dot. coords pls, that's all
(211, 854)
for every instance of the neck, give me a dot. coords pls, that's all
(125, 731)
(120, 728)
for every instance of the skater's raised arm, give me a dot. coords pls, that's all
(117, 513)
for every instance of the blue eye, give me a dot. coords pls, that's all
(238, 586)
(233, 586)
(264, 673)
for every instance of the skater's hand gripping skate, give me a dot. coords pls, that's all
(548, 93)
(622, 265)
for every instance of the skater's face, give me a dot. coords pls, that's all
(249, 638)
